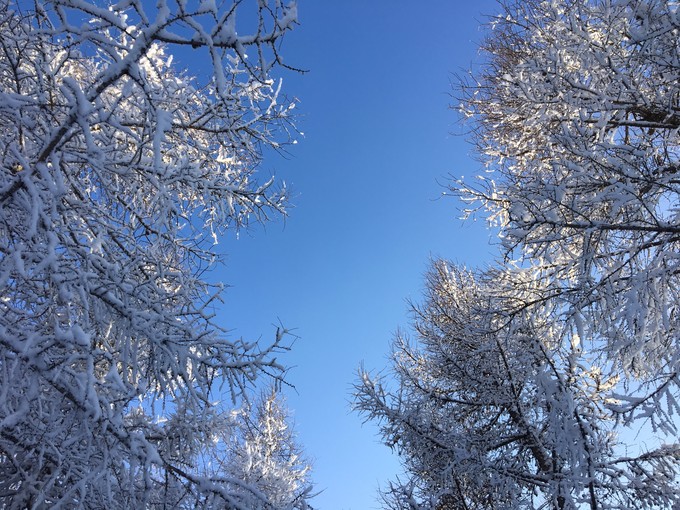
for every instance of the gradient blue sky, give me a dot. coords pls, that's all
(367, 219)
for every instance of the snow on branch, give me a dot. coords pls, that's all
(118, 172)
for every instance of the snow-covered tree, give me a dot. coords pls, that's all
(576, 114)
(249, 456)
(496, 410)
(117, 171)
(260, 451)
(525, 382)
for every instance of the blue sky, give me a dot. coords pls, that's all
(366, 178)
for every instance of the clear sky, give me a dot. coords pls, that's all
(374, 109)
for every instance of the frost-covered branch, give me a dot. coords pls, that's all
(118, 172)
(493, 409)
(576, 114)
